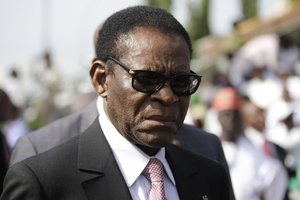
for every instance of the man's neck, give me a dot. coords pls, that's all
(148, 150)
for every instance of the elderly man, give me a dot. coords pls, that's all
(143, 75)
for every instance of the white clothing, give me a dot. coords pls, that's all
(13, 130)
(132, 161)
(253, 175)
(258, 139)
(280, 182)
(287, 139)
(278, 133)
(263, 92)
(211, 122)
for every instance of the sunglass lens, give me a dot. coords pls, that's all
(147, 81)
(184, 84)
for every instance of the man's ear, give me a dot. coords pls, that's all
(98, 73)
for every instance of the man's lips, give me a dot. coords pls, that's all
(163, 120)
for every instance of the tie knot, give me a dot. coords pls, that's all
(154, 171)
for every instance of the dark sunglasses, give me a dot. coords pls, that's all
(151, 81)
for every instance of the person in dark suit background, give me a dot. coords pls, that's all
(144, 105)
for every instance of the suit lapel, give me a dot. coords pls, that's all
(100, 175)
(189, 183)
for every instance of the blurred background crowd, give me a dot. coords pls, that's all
(246, 50)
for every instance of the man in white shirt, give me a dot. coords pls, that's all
(253, 175)
(254, 120)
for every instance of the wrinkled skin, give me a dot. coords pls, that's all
(148, 120)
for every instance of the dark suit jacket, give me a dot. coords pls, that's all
(85, 168)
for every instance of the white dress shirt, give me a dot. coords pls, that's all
(132, 161)
(254, 175)
(258, 139)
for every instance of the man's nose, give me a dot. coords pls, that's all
(166, 95)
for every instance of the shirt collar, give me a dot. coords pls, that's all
(256, 137)
(130, 159)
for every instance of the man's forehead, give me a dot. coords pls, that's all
(140, 35)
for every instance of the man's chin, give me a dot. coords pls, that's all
(158, 140)
(151, 148)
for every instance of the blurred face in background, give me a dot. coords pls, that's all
(227, 103)
(231, 123)
(254, 116)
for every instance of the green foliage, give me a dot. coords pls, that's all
(295, 1)
(249, 8)
(198, 22)
(165, 4)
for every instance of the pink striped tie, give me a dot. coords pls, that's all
(154, 172)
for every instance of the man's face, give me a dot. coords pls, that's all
(255, 117)
(149, 120)
(230, 121)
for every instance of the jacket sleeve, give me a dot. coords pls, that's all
(20, 183)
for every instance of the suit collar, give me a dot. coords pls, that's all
(90, 149)
(179, 163)
(99, 172)
(188, 181)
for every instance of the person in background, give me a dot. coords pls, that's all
(6, 109)
(143, 56)
(254, 120)
(253, 175)
(12, 124)
(4, 159)
(283, 128)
